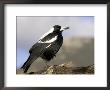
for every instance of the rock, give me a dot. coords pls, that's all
(66, 69)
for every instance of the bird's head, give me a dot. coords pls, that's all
(58, 28)
(53, 32)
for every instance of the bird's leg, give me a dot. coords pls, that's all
(46, 63)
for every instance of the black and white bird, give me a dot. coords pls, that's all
(47, 46)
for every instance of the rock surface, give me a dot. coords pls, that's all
(65, 69)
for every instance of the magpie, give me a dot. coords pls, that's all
(47, 46)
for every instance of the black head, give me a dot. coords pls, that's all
(58, 28)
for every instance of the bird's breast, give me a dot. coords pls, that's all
(52, 49)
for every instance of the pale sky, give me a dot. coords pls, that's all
(30, 29)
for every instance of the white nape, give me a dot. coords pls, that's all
(49, 41)
(50, 31)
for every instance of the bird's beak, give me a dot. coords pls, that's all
(64, 28)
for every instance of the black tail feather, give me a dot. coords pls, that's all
(27, 64)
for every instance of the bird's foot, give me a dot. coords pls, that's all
(47, 66)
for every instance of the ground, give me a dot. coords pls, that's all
(63, 69)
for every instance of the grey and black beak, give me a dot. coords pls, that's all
(64, 28)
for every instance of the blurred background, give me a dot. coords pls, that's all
(78, 44)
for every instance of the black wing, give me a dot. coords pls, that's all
(38, 48)
(35, 51)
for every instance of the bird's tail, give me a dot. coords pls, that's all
(27, 64)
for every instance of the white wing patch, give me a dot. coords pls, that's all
(49, 41)
(50, 31)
